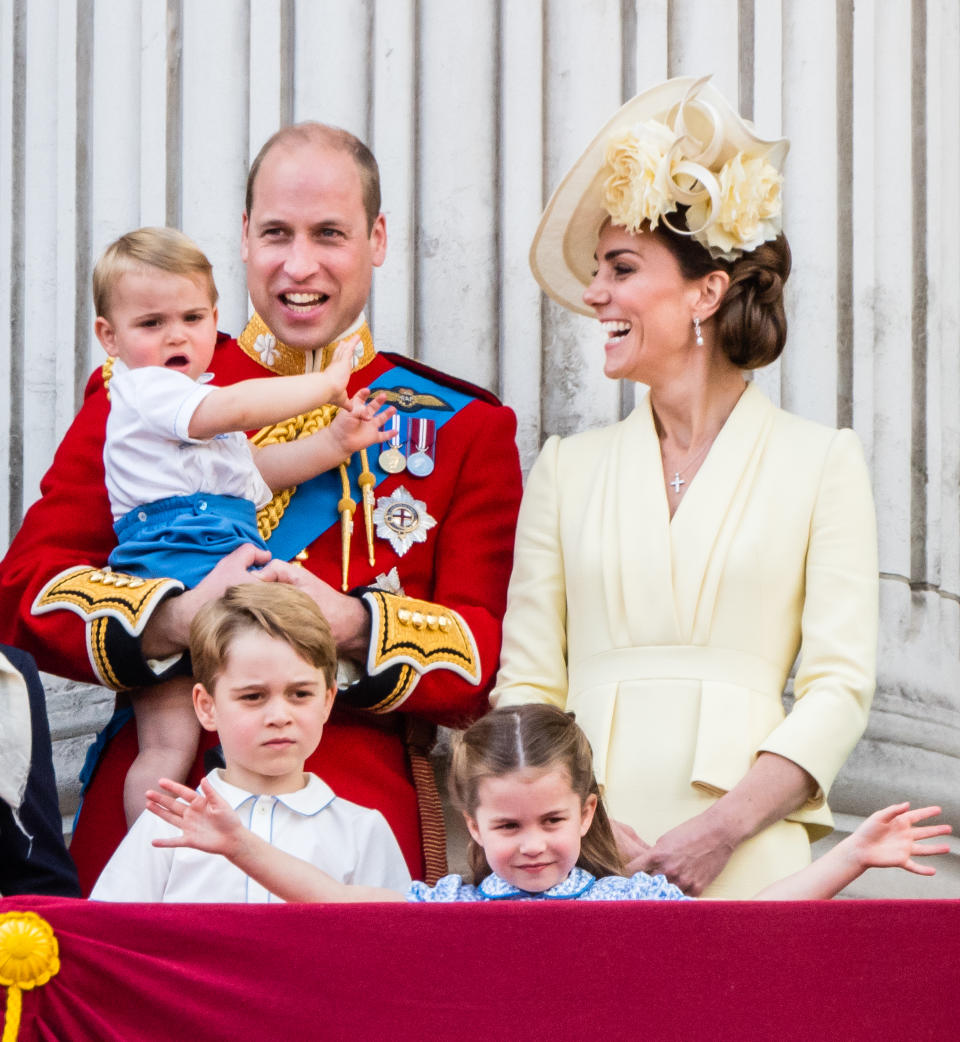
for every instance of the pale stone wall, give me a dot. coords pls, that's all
(117, 113)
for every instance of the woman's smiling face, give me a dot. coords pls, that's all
(645, 305)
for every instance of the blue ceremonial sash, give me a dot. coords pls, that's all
(313, 506)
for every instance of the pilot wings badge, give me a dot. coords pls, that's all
(406, 399)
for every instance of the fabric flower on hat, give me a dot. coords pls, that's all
(749, 211)
(638, 188)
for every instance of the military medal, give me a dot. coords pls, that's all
(402, 520)
(392, 459)
(421, 446)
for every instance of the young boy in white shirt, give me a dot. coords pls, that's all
(184, 482)
(265, 666)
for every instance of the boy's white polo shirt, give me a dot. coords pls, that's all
(351, 843)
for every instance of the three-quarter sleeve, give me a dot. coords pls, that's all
(836, 673)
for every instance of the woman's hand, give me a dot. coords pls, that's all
(206, 821)
(694, 853)
(691, 855)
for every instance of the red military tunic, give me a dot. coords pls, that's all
(80, 622)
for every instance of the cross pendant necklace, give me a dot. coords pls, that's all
(677, 481)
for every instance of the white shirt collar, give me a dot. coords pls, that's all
(309, 800)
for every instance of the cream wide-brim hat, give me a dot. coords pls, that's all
(562, 252)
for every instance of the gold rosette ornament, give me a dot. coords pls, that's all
(29, 957)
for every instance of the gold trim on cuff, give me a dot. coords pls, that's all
(97, 653)
(406, 682)
(418, 634)
(100, 593)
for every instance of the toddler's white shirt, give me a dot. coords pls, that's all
(148, 455)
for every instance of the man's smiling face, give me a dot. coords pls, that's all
(309, 251)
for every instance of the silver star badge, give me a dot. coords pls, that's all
(389, 582)
(402, 520)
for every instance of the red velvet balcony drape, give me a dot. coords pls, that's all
(878, 970)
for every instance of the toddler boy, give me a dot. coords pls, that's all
(265, 667)
(184, 482)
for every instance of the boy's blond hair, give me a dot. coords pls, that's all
(281, 611)
(166, 249)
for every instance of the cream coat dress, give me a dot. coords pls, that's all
(672, 640)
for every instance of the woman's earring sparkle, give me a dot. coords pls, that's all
(697, 333)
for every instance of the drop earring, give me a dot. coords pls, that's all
(697, 332)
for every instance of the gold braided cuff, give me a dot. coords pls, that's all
(96, 593)
(104, 598)
(419, 636)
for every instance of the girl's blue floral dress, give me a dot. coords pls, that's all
(578, 886)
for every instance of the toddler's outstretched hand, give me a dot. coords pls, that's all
(207, 822)
(339, 369)
(359, 424)
(890, 838)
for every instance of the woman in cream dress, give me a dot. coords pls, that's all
(669, 568)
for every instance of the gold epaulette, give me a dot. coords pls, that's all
(97, 593)
(420, 637)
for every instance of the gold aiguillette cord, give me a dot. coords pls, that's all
(346, 506)
(366, 481)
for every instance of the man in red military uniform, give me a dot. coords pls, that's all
(425, 552)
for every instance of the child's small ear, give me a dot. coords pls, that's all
(587, 813)
(106, 335)
(329, 695)
(205, 707)
(472, 828)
